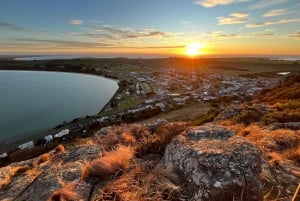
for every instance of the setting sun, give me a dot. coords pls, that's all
(193, 49)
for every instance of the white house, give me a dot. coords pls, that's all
(26, 145)
(62, 133)
(48, 138)
(3, 155)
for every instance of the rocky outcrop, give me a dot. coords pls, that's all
(216, 164)
(40, 182)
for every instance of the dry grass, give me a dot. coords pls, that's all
(109, 164)
(144, 139)
(66, 193)
(59, 149)
(157, 142)
(279, 149)
(248, 115)
(11, 172)
(128, 137)
(42, 159)
(138, 185)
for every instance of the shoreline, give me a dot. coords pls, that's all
(12, 143)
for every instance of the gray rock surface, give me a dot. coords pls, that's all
(216, 164)
(38, 183)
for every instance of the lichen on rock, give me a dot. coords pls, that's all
(216, 163)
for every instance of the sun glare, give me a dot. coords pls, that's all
(193, 49)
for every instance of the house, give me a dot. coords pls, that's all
(48, 138)
(3, 155)
(62, 133)
(26, 145)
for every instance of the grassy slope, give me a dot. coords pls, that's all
(280, 147)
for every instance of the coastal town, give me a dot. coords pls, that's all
(148, 93)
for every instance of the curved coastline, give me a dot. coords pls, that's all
(13, 142)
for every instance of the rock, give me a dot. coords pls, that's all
(41, 182)
(216, 164)
(103, 131)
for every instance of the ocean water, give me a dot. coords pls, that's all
(32, 101)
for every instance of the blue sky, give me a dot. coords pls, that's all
(150, 26)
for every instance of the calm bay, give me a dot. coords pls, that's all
(34, 101)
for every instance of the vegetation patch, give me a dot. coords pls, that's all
(109, 164)
(67, 193)
(158, 184)
(208, 117)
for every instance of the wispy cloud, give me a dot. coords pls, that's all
(75, 22)
(12, 27)
(212, 3)
(158, 47)
(65, 43)
(267, 3)
(233, 18)
(125, 33)
(295, 35)
(267, 23)
(79, 44)
(277, 12)
(255, 25)
(219, 35)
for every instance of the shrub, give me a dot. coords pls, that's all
(157, 142)
(248, 116)
(281, 116)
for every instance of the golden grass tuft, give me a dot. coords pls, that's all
(42, 159)
(11, 172)
(66, 193)
(128, 137)
(109, 164)
(59, 149)
(139, 185)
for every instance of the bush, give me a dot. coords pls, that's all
(157, 142)
(248, 116)
(281, 117)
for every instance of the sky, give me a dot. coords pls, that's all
(150, 27)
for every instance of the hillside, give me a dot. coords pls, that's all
(250, 151)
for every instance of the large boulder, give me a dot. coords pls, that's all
(216, 164)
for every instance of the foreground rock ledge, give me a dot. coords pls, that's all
(216, 164)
